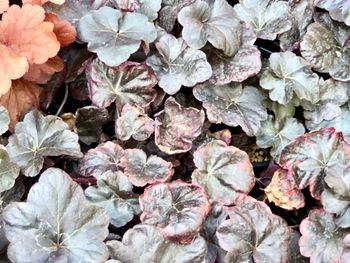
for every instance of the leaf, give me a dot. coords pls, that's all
(233, 105)
(335, 197)
(313, 156)
(339, 10)
(135, 123)
(331, 95)
(277, 134)
(148, 8)
(176, 127)
(267, 17)
(20, 24)
(213, 21)
(9, 171)
(22, 97)
(63, 30)
(62, 227)
(169, 11)
(130, 83)
(42, 2)
(288, 74)
(38, 136)
(178, 65)
(114, 193)
(114, 35)
(105, 157)
(301, 16)
(142, 170)
(295, 256)
(254, 234)
(284, 192)
(178, 209)
(321, 240)
(246, 62)
(89, 121)
(325, 46)
(4, 120)
(4, 5)
(146, 242)
(215, 162)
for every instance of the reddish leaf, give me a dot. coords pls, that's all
(64, 31)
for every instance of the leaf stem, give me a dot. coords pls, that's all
(63, 101)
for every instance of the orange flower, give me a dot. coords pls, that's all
(4, 4)
(24, 36)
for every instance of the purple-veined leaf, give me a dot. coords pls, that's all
(142, 170)
(115, 35)
(313, 156)
(176, 127)
(233, 105)
(178, 65)
(4, 120)
(325, 45)
(331, 95)
(267, 17)
(38, 136)
(114, 193)
(223, 172)
(277, 134)
(130, 83)
(133, 122)
(89, 121)
(146, 243)
(254, 234)
(213, 21)
(284, 192)
(148, 8)
(301, 16)
(178, 209)
(244, 63)
(339, 10)
(56, 223)
(168, 13)
(9, 171)
(322, 240)
(105, 157)
(288, 74)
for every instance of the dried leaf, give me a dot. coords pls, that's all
(114, 193)
(9, 171)
(233, 105)
(130, 83)
(178, 209)
(142, 170)
(38, 136)
(213, 21)
(4, 120)
(176, 127)
(215, 162)
(62, 227)
(135, 123)
(267, 17)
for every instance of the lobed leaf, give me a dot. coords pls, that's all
(178, 209)
(4, 120)
(142, 170)
(38, 136)
(62, 227)
(4, 5)
(148, 8)
(339, 10)
(9, 171)
(223, 172)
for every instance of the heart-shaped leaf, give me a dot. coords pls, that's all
(38, 136)
(142, 170)
(178, 209)
(215, 163)
(56, 223)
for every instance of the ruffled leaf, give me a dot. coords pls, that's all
(215, 163)
(4, 5)
(130, 83)
(63, 30)
(176, 127)
(178, 209)
(213, 21)
(62, 227)
(114, 193)
(233, 105)
(178, 65)
(115, 35)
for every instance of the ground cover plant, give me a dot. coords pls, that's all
(179, 131)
